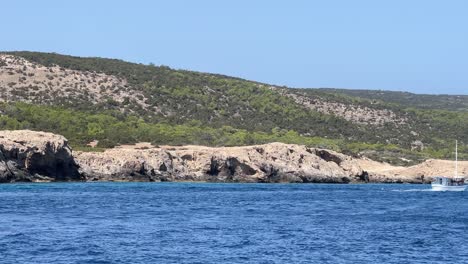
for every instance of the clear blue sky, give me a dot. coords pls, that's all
(410, 45)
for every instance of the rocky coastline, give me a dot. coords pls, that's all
(28, 156)
(36, 156)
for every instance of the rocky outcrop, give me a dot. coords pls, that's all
(275, 162)
(35, 156)
(38, 156)
(420, 173)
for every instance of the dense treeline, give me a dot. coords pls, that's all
(113, 128)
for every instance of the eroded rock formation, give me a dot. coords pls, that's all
(35, 156)
(38, 156)
(275, 162)
(420, 173)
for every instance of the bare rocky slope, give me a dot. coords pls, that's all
(354, 113)
(26, 81)
(38, 156)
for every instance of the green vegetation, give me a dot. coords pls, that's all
(214, 100)
(113, 128)
(405, 99)
(186, 107)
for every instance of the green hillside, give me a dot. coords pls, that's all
(167, 106)
(405, 99)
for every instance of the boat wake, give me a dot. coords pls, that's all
(415, 190)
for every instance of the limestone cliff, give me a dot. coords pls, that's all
(275, 162)
(35, 156)
(423, 172)
(38, 156)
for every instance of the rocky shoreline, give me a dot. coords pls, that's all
(28, 156)
(36, 156)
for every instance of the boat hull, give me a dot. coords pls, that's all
(443, 188)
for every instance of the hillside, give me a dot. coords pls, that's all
(405, 99)
(117, 102)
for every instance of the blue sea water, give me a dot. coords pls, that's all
(231, 223)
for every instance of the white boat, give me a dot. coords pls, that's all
(448, 184)
(457, 183)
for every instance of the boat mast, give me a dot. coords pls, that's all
(456, 159)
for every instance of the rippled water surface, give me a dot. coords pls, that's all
(231, 223)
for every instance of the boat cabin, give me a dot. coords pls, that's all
(448, 181)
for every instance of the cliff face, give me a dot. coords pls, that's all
(274, 162)
(35, 156)
(423, 172)
(39, 156)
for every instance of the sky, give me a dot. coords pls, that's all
(419, 46)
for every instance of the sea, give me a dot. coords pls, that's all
(231, 223)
